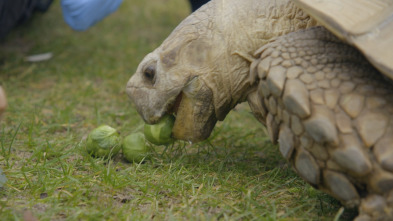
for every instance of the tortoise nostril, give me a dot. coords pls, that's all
(149, 73)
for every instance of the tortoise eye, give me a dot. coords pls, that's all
(149, 73)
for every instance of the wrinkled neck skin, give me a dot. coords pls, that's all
(236, 29)
(206, 59)
(224, 35)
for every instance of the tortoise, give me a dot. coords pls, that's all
(316, 73)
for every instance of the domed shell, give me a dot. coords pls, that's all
(366, 24)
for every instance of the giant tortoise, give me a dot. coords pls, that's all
(317, 73)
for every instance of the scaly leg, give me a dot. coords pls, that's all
(331, 113)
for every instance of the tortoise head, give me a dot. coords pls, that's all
(172, 80)
(167, 81)
(188, 76)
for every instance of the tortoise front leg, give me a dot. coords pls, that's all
(331, 113)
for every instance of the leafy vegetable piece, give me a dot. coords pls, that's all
(104, 141)
(135, 148)
(160, 133)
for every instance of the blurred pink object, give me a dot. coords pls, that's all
(3, 101)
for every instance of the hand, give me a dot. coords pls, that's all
(82, 14)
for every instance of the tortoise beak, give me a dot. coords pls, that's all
(195, 115)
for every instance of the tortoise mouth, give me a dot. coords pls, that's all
(194, 113)
(175, 106)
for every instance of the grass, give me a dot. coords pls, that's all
(235, 175)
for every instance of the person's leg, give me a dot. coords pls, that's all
(10, 13)
(43, 5)
(14, 12)
(195, 4)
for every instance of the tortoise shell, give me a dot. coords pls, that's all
(365, 24)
